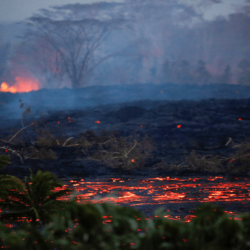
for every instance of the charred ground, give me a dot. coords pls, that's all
(173, 133)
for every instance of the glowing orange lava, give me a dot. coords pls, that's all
(21, 85)
(161, 191)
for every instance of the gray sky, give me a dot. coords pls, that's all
(17, 10)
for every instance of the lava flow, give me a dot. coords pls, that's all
(21, 85)
(148, 194)
(180, 196)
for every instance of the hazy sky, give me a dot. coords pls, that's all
(221, 8)
(17, 10)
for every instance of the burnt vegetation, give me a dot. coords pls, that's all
(117, 150)
(108, 147)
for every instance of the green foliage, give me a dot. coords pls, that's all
(90, 232)
(8, 182)
(35, 199)
(4, 160)
(79, 226)
(163, 233)
(26, 237)
(212, 228)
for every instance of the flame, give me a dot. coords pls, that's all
(21, 85)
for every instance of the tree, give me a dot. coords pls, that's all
(75, 41)
(8, 182)
(36, 200)
(4, 160)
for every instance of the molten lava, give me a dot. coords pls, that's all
(21, 85)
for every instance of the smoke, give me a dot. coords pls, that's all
(135, 42)
(156, 41)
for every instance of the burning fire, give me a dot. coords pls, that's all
(21, 85)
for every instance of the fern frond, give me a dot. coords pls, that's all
(4, 160)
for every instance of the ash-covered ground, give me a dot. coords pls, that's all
(195, 130)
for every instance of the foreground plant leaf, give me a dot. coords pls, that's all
(34, 200)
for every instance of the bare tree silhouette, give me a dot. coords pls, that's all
(76, 42)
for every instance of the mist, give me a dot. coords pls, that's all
(153, 43)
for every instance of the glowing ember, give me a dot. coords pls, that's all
(178, 126)
(97, 122)
(240, 119)
(21, 85)
(133, 160)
